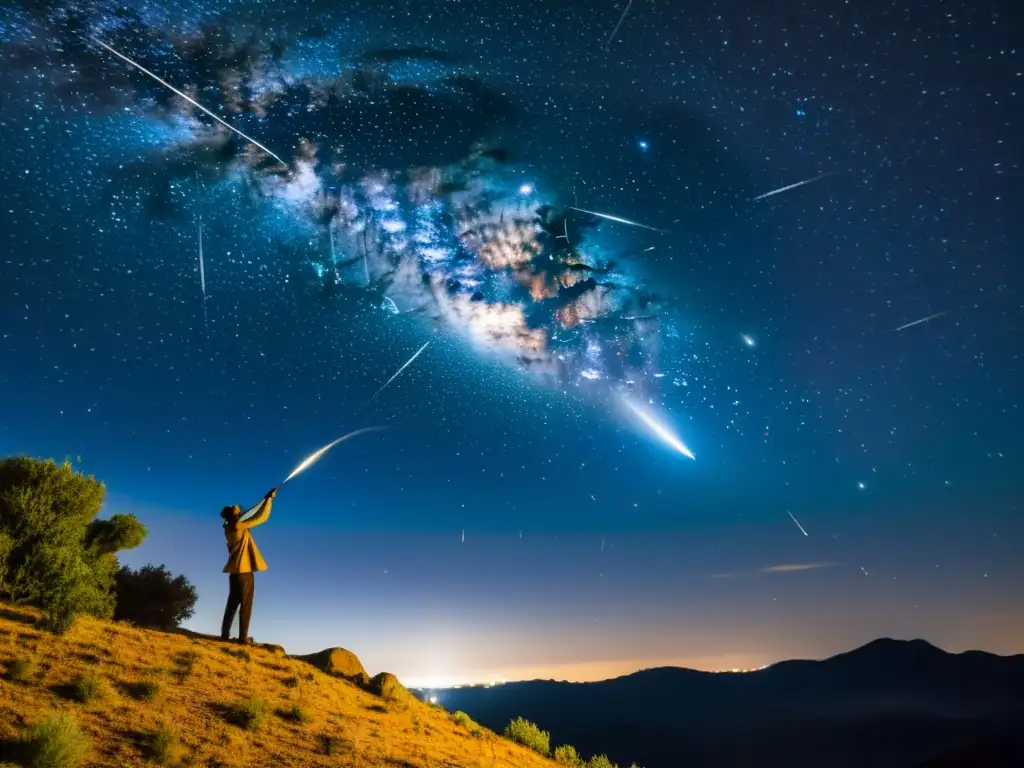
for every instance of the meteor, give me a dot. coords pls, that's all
(798, 184)
(399, 371)
(314, 457)
(202, 272)
(615, 218)
(797, 523)
(922, 320)
(659, 429)
(192, 101)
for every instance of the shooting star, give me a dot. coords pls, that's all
(192, 101)
(659, 429)
(616, 218)
(202, 271)
(463, 535)
(797, 523)
(399, 371)
(794, 186)
(622, 18)
(922, 320)
(314, 457)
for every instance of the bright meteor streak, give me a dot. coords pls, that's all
(399, 371)
(659, 429)
(922, 320)
(192, 101)
(314, 457)
(794, 186)
(615, 218)
(797, 523)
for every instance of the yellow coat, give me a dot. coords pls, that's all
(243, 556)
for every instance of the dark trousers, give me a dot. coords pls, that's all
(240, 590)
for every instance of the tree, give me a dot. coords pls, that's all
(152, 597)
(53, 553)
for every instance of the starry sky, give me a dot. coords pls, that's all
(417, 178)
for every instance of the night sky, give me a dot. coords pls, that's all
(517, 519)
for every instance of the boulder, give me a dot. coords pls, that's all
(388, 688)
(337, 662)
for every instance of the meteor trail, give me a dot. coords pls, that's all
(314, 457)
(922, 320)
(622, 18)
(399, 371)
(798, 184)
(797, 523)
(615, 218)
(202, 270)
(659, 429)
(192, 101)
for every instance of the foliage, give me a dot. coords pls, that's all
(53, 553)
(56, 742)
(330, 745)
(88, 687)
(461, 718)
(163, 743)
(247, 713)
(601, 761)
(295, 713)
(529, 735)
(143, 690)
(152, 597)
(568, 756)
(19, 670)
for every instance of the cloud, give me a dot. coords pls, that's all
(791, 567)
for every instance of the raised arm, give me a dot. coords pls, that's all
(262, 514)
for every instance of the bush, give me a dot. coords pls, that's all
(56, 742)
(247, 713)
(88, 687)
(601, 761)
(330, 745)
(184, 665)
(152, 597)
(19, 670)
(568, 756)
(295, 713)
(163, 743)
(143, 690)
(53, 553)
(529, 735)
(461, 718)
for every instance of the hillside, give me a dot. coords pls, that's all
(890, 703)
(170, 697)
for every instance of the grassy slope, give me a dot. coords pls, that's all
(370, 732)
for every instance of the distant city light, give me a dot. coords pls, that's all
(433, 699)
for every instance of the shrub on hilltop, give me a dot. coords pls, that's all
(568, 756)
(529, 735)
(152, 597)
(53, 553)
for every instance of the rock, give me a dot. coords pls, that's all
(337, 662)
(387, 687)
(277, 650)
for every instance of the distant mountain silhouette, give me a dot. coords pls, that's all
(889, 703)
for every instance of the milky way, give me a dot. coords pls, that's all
(441, 226)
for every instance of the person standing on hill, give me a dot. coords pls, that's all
(244, 560)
